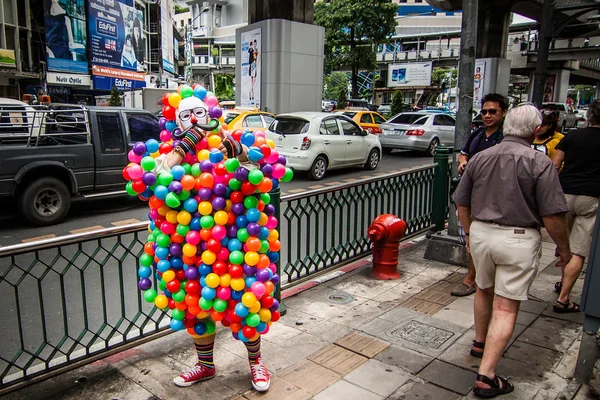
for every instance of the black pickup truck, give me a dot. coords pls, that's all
(66, 151)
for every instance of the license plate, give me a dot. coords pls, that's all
(393, 132)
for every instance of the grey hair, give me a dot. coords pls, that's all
(521, 121)
(593, 113)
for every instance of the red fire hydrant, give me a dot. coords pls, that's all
(385, 232)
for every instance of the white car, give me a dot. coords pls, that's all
(317, 141)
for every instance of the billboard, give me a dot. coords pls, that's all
(116, 35)
(66, 36)
(106, 77)
(7, 58)
(251, 67)
(409, 75)
(478, 83)
(166, 30)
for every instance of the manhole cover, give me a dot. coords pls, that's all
(339, 298)
(423, 334)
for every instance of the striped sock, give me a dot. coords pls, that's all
(253, 350)
(205, 354)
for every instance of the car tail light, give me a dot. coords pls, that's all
(415, 132)
(375, 130)
(305, 143)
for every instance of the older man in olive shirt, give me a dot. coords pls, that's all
(506, 194)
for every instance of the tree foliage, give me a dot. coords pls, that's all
(115, 97)
(439, 75)
(342, 100)
(333, 83)
(353, 30)
(397, 103)
(225, 87)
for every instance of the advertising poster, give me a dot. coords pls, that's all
(251, 67)
(116, 35)
(7, 58)
(66, 35)
(549, 88)
(414, 74)
(166, 31)
(478, 83)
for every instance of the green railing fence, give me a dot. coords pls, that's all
(74, 299)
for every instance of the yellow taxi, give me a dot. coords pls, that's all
(252, 120)
(368, 120)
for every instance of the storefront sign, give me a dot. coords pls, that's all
(68, 79)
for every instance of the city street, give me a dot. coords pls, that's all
(96, 214)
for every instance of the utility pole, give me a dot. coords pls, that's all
(546, 33)
(466, 72)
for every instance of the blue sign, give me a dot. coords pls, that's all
(106, 83)
(66, 36)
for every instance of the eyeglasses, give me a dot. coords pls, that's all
(491, 111)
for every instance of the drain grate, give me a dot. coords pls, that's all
(423, 334)
(339, 298)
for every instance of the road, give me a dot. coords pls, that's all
(95, 214)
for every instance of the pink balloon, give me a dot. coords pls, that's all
(211, 101)
(154, 213)
(259, 134)
(273, 267)
(134, 158)
(165, 135)
(273, 157)
(192, 237)
(223, 255)
(219, 232)
(223, 293)
(266, 330)
(271, 223)
(278, 171)
(135, 171)
(259, 289)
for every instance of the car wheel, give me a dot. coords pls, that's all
(318, 169)
(432, 146)
(373, 160)
(45, 201)
(387, 150)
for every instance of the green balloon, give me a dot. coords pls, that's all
(148, 163)
(234, 184)
(182, 230)
(219, 305)
(162, 285)
(265, 197)
(242, 235)
(252, 320)
(205, 304)
(165, 178)
(196, 170)
(172, 200)
(236, 257)
(210, 327)
(186, 91)
(231, 164)
(264, 246)
(207, 222)
(179, 296)
(150, 295)
(187, 168)
(177, 314)
(256, 176)
(184, 195)
(129, 189)
(163, 240)
(153, 186)
(289, 174)
(146, 260)
(156, 232)
(250, 202)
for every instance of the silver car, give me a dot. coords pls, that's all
(420, 131)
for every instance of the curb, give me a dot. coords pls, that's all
(342, 271)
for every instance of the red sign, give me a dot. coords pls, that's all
(109, 72)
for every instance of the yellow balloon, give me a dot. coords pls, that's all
(238, 284)
(184, 217)
(202, 315)
(203, 154)
(221, 218)
(212, 280)
(155, 154)
(214, 141)
(189, 250)
(264, 314)
(208, 258)
(255, 308)
(251, 258)
(172, 216)
(262, 221)
(174, 99)
(168, 276)
(228, 205)
(164, 210)
(249, 299)
(271, 143)
(225, 280)
(205, 207)
(161, 301)
(273, 235)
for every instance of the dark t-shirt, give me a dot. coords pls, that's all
(581, 171)
(478, 141)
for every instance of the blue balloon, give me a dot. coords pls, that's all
(176, 262)
(151, 225)
(237, 294)
(261, 326)
(225, 241)
(234, 244)
(273, 256)
(241, 310)
(242, 337)
(152, 145)
(176, 324)
(170, 126)
(215, 156)
(203, 281)
(248, 139)
(200, 328)
(241, 221)
(204, 269)
(195, 224)
(161, 192)
(275, 183)
(250, 280)
(200, 92)
(208, 293)
(178, 172)
(191, 206)
(162, 253)
(264, 233)
(168, 294)
(163, 266)
(255, 155)
(253, 215)
(144, 272)
(146, 193)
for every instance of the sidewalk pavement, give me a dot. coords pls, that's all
(346, 336)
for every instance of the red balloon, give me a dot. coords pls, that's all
(126, 174)
(267, 301)
(169, 112)
(180, 275)
(173, 286)
(248, 188)
(233, 317)
(177, 238)
(225, 323)
(165, 99)
(235, 271)
(155, 202)
(237, 134)
(219, 267)
(138, 186)
(181, 306)
(235, 327)
(220, 169)
(261, 205)
(249, 332)
(171, 304)
(236, 197)
(165, 148)
(215, 246)
(266, 150)
(275, 316)
(192, 287)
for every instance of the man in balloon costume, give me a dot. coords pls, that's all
(213, 242)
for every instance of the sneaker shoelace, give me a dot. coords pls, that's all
(191, 373)
(259, 372)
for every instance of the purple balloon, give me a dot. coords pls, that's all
(241, 174)
(275, 279)
(206, 166)
(253, 229)
(204, 246)
(205, 194)
(220, 190)
(248, 270)
(162, 123)
(263, 275)
(282, 160)
(145, 284)
(191, 273)
(197, 214)
(232, 231)
(215, 112)
(154, 245)
(218, 203)
(238, 208)
(139, 148)
(275, 305)
(176, 142)
(175, 186)
(176, 132)
(175, 249)
(235, 335)
(149, 178)
(267, 170)
(270, 210)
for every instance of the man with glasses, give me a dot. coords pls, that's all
(493, 110)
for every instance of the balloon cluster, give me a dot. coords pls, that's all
(213, 240)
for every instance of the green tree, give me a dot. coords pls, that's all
(397, 103)
(225, 87)
(439, 75)
(333, 83)
(342, 100)
(353, 30)
(180, 9)
(115, 97)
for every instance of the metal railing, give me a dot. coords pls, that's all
(71, 300)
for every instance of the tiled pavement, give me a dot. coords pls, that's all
(355, 338)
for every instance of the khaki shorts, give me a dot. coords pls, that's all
(581, 219)
(505, 258)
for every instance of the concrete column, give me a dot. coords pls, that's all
(291, 10)
(492, 29)
(562, 85)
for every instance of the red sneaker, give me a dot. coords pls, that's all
(260, 376)
(195, 375)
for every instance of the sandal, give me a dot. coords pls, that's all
(494, 387)
(566, 308)
(477, 345)
(558, 286)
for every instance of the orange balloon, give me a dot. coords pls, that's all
(155, 202)
(191, 331)
(275, 245)
(187, 182)
(265, 187)
(148, 249)
(205, 234)
(263, 261)
(176, 238)
(259, 140)
(189, 260)
(180, 306)
(191, 300)
(216, 316)
(194, 309)
(253, 244)
(202, 314)
(270, 287)
(235, 327)
(207, 180)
